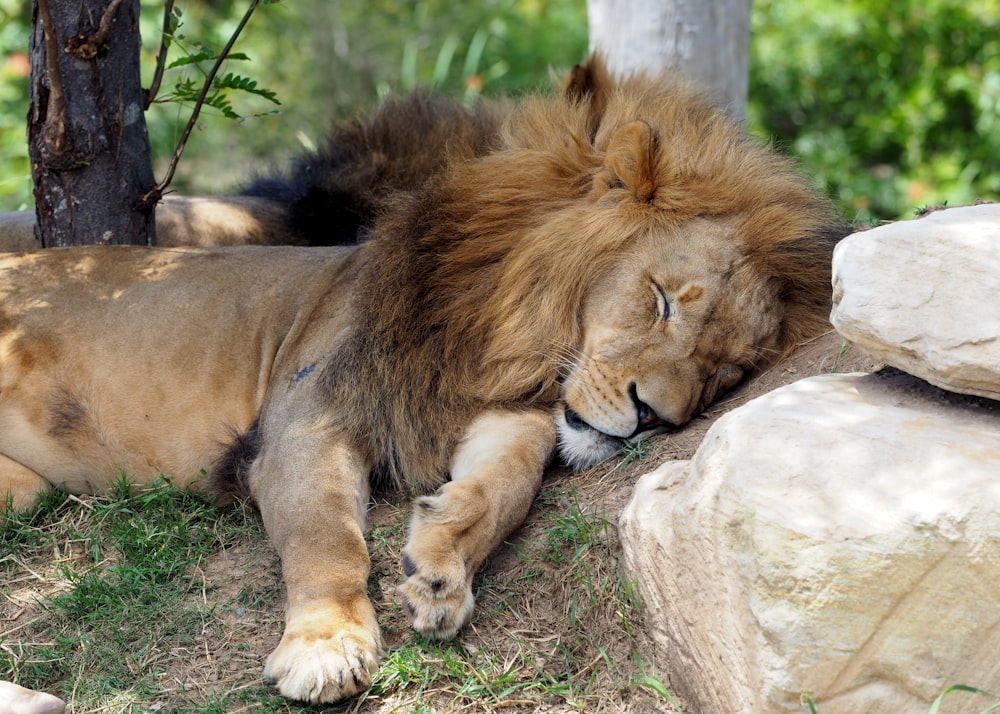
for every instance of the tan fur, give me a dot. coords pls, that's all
(622, 258)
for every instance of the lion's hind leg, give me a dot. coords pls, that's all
(20, 487)
(496, 472)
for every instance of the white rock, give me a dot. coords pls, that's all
(839, 536)
(15, 699)
(924, 296)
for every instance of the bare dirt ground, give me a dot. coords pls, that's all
(548, 607)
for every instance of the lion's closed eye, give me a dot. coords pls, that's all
(663, 309)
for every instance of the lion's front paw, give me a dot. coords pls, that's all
(323, 659)
(437, 595)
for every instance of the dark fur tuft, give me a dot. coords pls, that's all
(334, 194)
(228, 481)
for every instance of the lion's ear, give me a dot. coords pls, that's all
(590, 84)
(631, 160)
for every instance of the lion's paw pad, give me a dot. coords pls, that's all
(319, 669)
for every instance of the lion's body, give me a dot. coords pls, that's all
(178, 364)
(605, 264)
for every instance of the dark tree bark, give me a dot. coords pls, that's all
(90, 156)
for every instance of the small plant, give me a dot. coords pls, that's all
(845, 347)
(807, 700)
(210, 90)
(965, 688)
(572, 533)
(632, 452)
(650, 680)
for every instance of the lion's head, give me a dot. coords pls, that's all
(676, 322)
(670, 255)
(624, 256)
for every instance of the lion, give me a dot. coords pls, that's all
(603, 267)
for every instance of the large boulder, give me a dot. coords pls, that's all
(924, 296)
(840, 537)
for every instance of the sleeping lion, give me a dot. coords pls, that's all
(560, 276)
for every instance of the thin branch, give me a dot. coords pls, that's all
(161, 58)
(209, 79)
(105, 27)
(55, 115)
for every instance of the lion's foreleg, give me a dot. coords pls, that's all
(313, 491)
(496, 473)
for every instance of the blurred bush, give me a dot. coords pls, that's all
(891, 104)
(15, 171)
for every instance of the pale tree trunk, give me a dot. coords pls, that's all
(707, 41)
(90, 155)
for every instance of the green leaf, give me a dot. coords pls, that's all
(202, 56)
(245, 84)
(965, 688)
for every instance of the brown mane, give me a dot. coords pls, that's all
(473, 284)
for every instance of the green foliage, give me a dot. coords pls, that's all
(15, 171)
(648, 679)
(891, 104)
(200, 57)
(188, 90)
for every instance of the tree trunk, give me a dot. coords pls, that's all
(90, 157)
(707, 41)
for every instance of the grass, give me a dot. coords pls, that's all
(807, 699)
(122, 594)
(633, 452)
(845, 347)
(156, 600)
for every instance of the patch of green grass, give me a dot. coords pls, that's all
(600, 595)
(571, 532)
(563, 660)
(132, 622)
(633, 451)
(119, 608)
(472, 676)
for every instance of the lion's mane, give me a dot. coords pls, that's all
(472, 284)
(332, 195)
